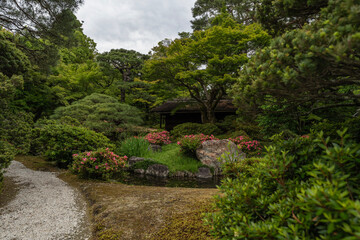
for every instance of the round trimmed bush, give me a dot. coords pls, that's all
(60, 141)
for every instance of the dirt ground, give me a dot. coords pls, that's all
(120, 211)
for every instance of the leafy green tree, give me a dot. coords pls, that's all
(204, 11)
(208, 63)
(308, 70)
(101, 113)
(275, 16)
(37, 17)
(126, 62)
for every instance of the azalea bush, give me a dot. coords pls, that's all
(302, 188)
(189, 143)
(99, 164)
(248, 146)
(159, 138)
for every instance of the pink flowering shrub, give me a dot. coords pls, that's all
(100, 164)
(159, 138)
(248, 146)
(189, 143)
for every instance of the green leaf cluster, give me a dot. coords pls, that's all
(301, 189)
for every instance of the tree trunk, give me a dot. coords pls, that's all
(122, 95)
(208, 115)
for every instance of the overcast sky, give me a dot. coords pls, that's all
(134, 24)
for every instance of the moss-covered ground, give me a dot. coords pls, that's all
(120, 211)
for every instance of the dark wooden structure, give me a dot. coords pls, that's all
(176, 112)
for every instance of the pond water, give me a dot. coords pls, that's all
(146, 180)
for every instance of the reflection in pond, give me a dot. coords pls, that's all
(169, 182)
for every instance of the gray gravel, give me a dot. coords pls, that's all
(44, 208)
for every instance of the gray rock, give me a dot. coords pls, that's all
(179, 174)
(155, 148)
(204, 172)
(158, 170)
(209, 153)
(189, 174)
(134, 160)
(139, 171)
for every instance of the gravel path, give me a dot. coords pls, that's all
(44, 208)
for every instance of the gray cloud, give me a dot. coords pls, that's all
(134, 24)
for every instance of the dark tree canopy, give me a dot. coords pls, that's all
(309, 69)
(126, 62)
(35, 16)
(275, 16)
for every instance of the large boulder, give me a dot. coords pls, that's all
(158, 170)
(210, 152)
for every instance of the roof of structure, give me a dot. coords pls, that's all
(189, 106)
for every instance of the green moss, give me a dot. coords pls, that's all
(187, 225)
(110, 234)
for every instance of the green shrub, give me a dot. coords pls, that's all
(329, 128)
(189, 143)
(134, 146)
(301, 189)
(7, 154)
(60, 141)
(99, 164)
(194, 128)
(15, 128)
(101, 113)
(227, 124)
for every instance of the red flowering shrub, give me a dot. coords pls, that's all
(248, 146)
(101, 164)
(189, 143)
(159, 138)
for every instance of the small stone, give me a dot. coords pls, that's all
(139, 171)
(158, 170)
(179, 174)
(134, 160)
(204, 172)
(189, 174)
(155, 148)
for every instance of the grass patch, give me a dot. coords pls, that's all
(174, 159)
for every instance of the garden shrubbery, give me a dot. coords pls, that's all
(159, 138)
(7, 154)
(246, 145)
(101, 113)
(99, 164)
(301, 189)
(15, 128)
(60, 141)
(194, 128)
